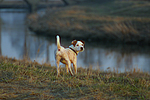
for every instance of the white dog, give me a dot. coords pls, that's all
(68, 55)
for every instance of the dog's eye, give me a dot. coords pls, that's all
(77, 44)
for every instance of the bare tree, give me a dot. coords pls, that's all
(32, 4)
(1, 0)
(66, 3)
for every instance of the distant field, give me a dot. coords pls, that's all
(119, 21)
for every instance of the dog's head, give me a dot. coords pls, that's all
(78, 45)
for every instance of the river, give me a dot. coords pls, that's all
(18, 42)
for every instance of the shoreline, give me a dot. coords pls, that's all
(95, 23)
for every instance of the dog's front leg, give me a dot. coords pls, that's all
(69, 67)
(75, 67)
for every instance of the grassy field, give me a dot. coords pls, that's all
(126, 21)
(21, 79)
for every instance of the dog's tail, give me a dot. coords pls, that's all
(58, 42)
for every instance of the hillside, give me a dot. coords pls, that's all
(21, 79)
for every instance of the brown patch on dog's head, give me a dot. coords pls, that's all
(82, 41)
(74, 42)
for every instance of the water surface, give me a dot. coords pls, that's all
(17, 41)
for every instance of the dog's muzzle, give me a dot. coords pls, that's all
(81, 48)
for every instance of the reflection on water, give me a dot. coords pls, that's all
(17, 41)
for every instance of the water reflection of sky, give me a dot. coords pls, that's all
(17, 41)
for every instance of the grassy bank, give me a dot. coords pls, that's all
(115, 20)
(21, 79)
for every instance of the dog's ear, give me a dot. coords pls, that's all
(74, 42)
(82, 41)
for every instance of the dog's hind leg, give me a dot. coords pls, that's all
(57, 64)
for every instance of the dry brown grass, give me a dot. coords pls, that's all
(121, 28)
(22, 79)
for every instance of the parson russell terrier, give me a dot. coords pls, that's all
(68, 55)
